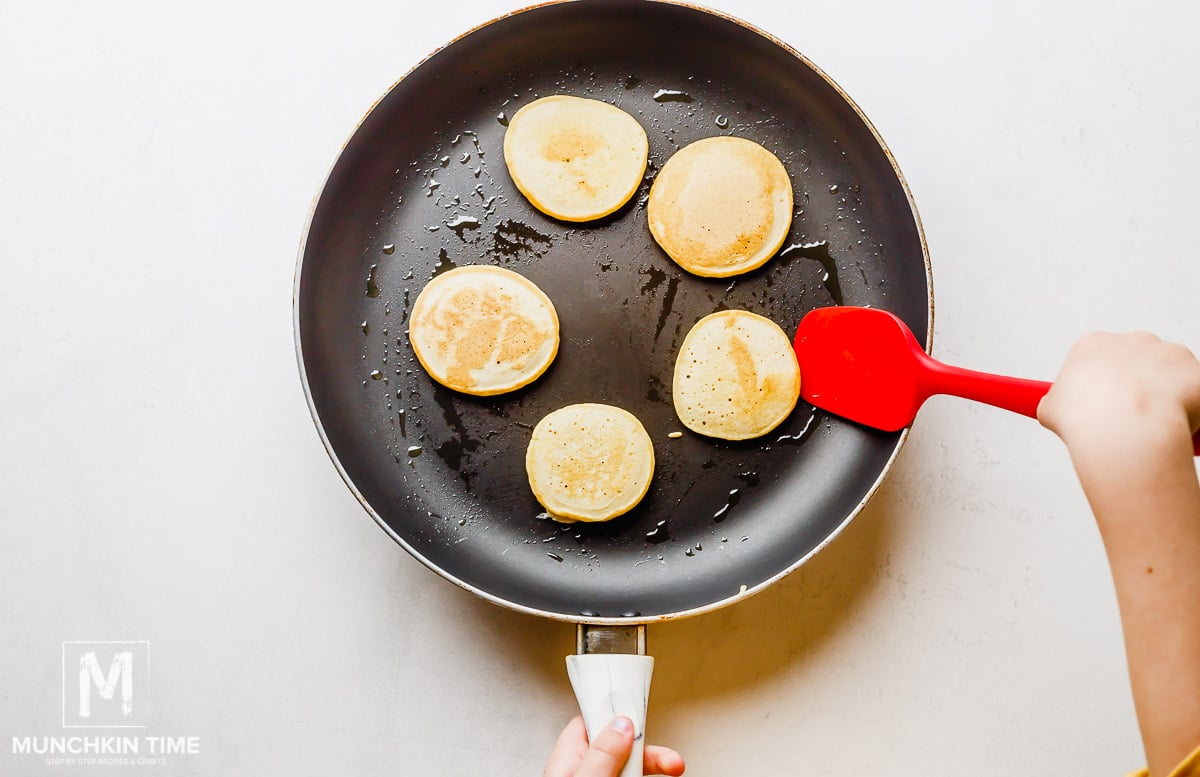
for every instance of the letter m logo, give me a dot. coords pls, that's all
(102, 681)
(90, 675)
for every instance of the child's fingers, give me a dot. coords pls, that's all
(568, 750)
(571, 756)
(662, 760)
(609, 751)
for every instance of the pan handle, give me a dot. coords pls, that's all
(611, 676)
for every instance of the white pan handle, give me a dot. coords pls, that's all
(611, 684)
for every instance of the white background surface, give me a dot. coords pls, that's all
(160, 478)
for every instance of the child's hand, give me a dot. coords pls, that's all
(1121, 394)
(572, 757)
(1126, 406)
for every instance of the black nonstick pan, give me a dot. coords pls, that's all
(421, 187)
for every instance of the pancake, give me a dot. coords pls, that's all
(736, 376)
(721, 206)
(483, 330)
(575, 159)
(589, 462)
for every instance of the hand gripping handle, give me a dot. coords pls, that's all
(609, 684)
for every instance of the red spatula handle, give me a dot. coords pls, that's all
(1016, 394)
(1019, 395)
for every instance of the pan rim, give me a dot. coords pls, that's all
(745, 592)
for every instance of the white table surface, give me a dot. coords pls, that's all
(161, 480)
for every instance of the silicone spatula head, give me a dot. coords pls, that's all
(863, 364)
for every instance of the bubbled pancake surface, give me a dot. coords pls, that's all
(574, 158)
(589, 462)
(483, 330)
(736, 376)
(721, 206)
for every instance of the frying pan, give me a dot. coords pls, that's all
(421, 187)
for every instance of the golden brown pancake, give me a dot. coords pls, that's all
(483, 330)
(589, 462)
(721, 206)
(575, 159)
(736, 376)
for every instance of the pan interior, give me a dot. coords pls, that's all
(421, 187)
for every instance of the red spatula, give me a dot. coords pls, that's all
(865, 365)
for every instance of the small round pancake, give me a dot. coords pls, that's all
(589, 462)
(483, 330)
(721, 206)
(575, 159)
(736, 376)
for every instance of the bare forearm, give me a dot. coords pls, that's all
(1127, 406)
(1157, 578)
